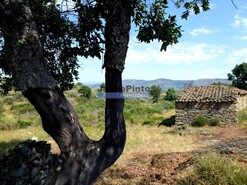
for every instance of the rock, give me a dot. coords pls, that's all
(29, 163)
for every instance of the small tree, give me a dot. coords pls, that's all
(239, 76)
(102, 87)
(85, 91)
(155, 92)
(171, 94)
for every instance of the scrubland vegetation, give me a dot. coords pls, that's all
(148, 133)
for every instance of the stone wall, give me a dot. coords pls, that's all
(186, 112)
(30, 163)
(241, 102)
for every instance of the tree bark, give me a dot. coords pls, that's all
(84, 159)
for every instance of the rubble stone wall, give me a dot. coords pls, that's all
(242, 102)
(30, 163)
(186, 112)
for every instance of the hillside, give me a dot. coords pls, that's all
(154, 154)
(166, 83)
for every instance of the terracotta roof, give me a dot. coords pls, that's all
(212, 93)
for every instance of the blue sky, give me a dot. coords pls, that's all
(213, 42)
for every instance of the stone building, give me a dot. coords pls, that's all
(212, 101)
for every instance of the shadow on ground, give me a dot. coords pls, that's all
(5, 146)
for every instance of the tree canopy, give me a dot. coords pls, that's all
(40, 41)
(77, 28)
(171, 94)
(85, 91)
(239, 76)
(155, 92)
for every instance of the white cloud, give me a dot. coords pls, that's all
(243, 38)
(239, 22)
(237, 56)
(200, 31)
(178, 54)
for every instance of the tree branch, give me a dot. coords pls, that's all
(234, 4)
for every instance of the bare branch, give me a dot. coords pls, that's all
(234, 4)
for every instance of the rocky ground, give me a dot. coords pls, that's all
(34, 161)
(166, 168)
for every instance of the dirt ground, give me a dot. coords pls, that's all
(165, 168)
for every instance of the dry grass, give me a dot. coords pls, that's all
(9, 138)
(145, 139)
(152, 139)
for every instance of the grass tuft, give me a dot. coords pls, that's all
(200, 121)
(212, 168)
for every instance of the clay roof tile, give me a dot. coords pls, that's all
(212, 93)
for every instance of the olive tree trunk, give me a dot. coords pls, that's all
(84, 159)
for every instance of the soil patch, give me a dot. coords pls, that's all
(166, 168)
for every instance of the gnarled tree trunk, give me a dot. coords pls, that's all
(84, 159)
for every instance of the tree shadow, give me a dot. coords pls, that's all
(168, 122)
(5, 146)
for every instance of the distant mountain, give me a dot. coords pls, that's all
(166, 83)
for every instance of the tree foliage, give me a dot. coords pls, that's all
(85, 91)
(40, 41)
(155, 92)
(56, 34)
(171, 94)
(102, 87)
(68, 32)
(239, 76)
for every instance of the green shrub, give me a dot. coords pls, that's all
(85, 91)
(242, 116)
(168, 105)
(23, 124)
(1, 107)
(17, 95)
(22, 108)
(215, 122)
(157, 108)
(171, 94)
(80, 109)
(200, 121)
(212, 168)
(128, 115)
(8, 100)
(11, 123)
(147, 122)
(7, 123)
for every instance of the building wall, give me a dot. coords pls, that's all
(186, 112)
(241, 102)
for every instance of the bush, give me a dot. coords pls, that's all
(128, 115)
(18, 96)
(212, 168)
(146, 122)
(215, 122)
(7, 123)
(200, 121)
(242, 116)
(157, 108)
(168, 105)
(85, 91)
(1, 107)
(23, 124)
(22, 108)
(8, 100)
(171, 94)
